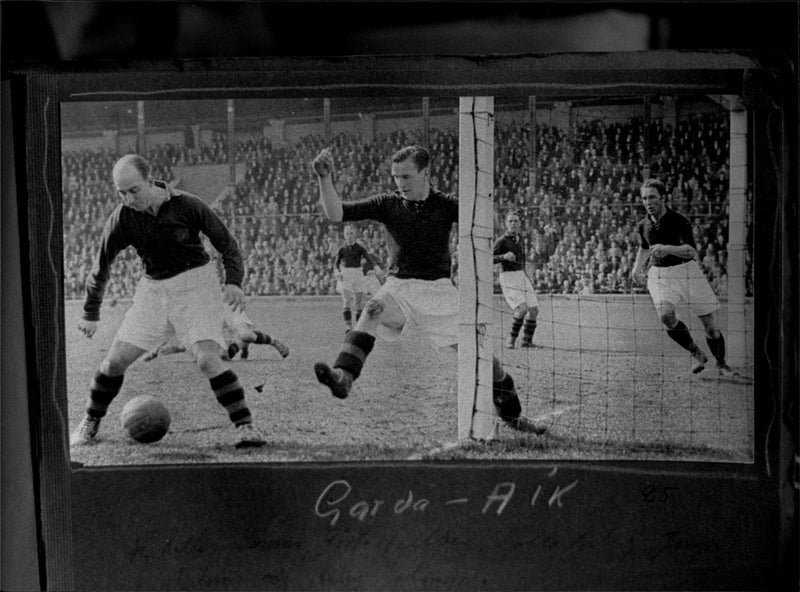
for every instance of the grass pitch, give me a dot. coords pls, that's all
(616, 393)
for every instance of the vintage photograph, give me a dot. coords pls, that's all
(277, 280)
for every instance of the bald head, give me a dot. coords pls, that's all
(131, 175)
(139, 163)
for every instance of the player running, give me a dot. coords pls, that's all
(179, 292)
(418, 291)
(509, 252)
(674, 276)
(351, 280)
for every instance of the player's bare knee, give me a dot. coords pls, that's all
(533, 312)
(710, 326)
(521, 310)
(208, 363)
(669, 319)
(113, 367)
(373, 309)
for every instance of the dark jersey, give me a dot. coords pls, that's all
(351, 255)
(168, 243)
(417, 232)
(510, 243)
(672, 229)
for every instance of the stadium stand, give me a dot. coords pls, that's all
(579, 214)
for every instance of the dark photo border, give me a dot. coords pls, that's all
(422, 525)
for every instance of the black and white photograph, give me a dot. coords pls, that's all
(593, 374)
(399, 296)
(306, 281)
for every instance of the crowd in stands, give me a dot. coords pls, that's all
(580, 208)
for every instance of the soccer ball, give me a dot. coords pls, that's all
(145, 418)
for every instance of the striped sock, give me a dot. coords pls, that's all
(530, 329)
(262, 338)
(516, 325)
(354, 352)
(505, 398)
(230, 394)
(101, 392)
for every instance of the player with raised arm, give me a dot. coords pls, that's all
(179, 292)
(666, 240)
(418, 291)
(509, 252)
(351, 281)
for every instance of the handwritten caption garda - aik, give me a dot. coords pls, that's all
(339, 501)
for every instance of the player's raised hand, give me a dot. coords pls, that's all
(233, 295)
(323, 163)
(88, 328)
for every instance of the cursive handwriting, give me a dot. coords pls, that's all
(338, 500)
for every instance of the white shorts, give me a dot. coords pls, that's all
(352, 280)
(684, 283)
(237, 321)
(371, 283)
(188, 305)
(517, 289)
(430, 306)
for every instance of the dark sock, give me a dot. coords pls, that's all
(262, 338)
(530, 329)
(717, 347)
(516, 325)
(680, 334)
(356, 347)
(505, 398)
(101, 392)
(230, 394)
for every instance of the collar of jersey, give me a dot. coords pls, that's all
(163, 185)
(417, 201)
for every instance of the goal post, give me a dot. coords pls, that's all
(737, 238)
(477, 417)
(737, 338)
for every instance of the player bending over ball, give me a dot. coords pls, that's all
(244, 332)
(674, 276)
(178, 293)
(418, 291)
(509, 252)
(350, 278)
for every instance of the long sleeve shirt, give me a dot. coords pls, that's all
(509, 243)
(672, 229)
(417, 232)
(168, 244)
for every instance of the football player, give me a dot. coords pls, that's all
(666, 240)
(418, 291)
